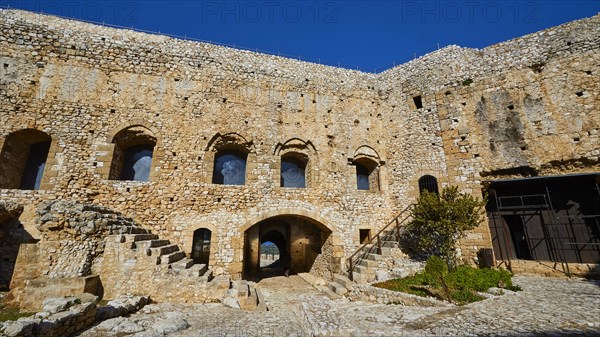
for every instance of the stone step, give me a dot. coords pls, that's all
(387, 251)
(359, 278)
(140, 237)
(250, 301)
(375, 257)
(329, 293)
(173, 257)
(196, 270)
(261, 303)
(337, 288)
(159, 243)
(361, 269)
(390, 244)
(164, 250)
(151, 244)
(343, 280)
(368, 263)
(182, 264)
(133, 230)
(207, 277)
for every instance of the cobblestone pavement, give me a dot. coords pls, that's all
(546, 306)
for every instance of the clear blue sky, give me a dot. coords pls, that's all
(364, 34)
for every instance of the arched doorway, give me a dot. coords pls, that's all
(270, 255)
(304, 245)
(201, 246)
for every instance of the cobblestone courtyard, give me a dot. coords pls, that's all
(546, 306)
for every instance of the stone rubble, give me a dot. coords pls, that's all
(546, 306)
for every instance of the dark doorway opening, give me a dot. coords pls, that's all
(12, 236)
(518, 236)
(299, 241)
(201, 246)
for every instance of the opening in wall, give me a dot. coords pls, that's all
(418, 102)
(428, 183)
(364, 235)
(293, 170)
(201, 246)
(230, 168)
(133, 154)
(23, 159)
(367, 174)
(137, 163)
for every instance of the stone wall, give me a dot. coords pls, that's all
(529, 102)
(12, 236)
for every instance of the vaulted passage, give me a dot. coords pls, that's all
(303, 245)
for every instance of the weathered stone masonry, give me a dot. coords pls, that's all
(531, 102)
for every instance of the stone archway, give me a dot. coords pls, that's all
(305, 245)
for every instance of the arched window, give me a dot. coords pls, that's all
(367, 174)
(269, 255)
(23, 159)
(132, 158)
(201, 246)
(429, 183)
(230, 168)
(293, 170)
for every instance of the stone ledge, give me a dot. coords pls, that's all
(369, 293)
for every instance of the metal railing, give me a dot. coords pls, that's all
(396, 223)
(522, 201)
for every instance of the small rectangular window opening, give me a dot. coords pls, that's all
(418, 102)
(364, 235)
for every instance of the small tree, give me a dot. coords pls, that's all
(439, 221)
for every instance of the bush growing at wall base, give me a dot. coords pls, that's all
(439, 221)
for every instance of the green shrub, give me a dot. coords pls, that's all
(440, 220)
(406, 285)
(436, 270)
(469, 278)
(459, 285)
(461, 297)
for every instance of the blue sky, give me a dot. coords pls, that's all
(369, 35)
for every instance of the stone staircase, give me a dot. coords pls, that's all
(141, 263)
(379, 259)
(165, 255)
(246, 296)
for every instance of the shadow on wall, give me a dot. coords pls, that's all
(12, 236)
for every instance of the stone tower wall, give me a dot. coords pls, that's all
(82, 84)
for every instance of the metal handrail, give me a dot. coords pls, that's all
(521, 199)
(395, 222)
